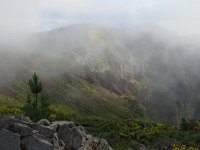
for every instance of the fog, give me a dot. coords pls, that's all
(27, 16)
(124, 50)
(155, 43)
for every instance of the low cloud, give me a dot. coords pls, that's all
(25, 16)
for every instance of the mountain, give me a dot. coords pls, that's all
(99, 71)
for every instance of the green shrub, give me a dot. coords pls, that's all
(38, 106)
(10, 111)
(59, 112)
(188, 125)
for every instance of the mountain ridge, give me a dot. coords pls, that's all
(154, 64)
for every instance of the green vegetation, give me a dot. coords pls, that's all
(115, 84)
(37, 108)
(10, 111)
(126, 133)
(117, 118)
(123, 134)
(190, 124)
(36, 87)
(7, 101)
(60, 112)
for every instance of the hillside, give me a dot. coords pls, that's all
(98, 71)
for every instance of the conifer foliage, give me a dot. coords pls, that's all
(37, 104)
(35, 86)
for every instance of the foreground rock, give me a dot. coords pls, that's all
(9, 140)
(21, 134)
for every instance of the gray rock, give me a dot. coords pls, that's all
(56, 124)
(56, 144)
(63, 122)
(46, 131)
(92, 143)
(9, 140)
(62, 135)
(36, 142)
(21, 129)
(78, 138)
(81, 128)
(26, 119)
(44, 122)
(103, 145)
(5, 121)
(70, 135)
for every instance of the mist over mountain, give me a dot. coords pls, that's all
(161, 67)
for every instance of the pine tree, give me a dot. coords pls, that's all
(28, 107)
(44, 105)
(38, 107)
(36, 87)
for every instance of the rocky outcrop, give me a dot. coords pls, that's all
(21, 134)
(9, 140)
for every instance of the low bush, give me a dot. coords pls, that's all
(190, 124)
(10, 111)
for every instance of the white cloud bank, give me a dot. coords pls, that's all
(22, 16)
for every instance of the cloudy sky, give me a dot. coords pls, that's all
(181, 16)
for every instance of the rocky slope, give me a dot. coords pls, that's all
(22, 134)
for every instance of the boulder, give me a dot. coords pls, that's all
(92, 143)
(56, 143)
(44, 122)
(9, 140)
(4, 121)
(46, 131)
(18, 134)
(70, 135)
(103, 145)
(22, 129)
(26, 119)
(36, 142)
(81, 128)
(56, 124)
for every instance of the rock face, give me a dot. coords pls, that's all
(20, 134)
(9, 140)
